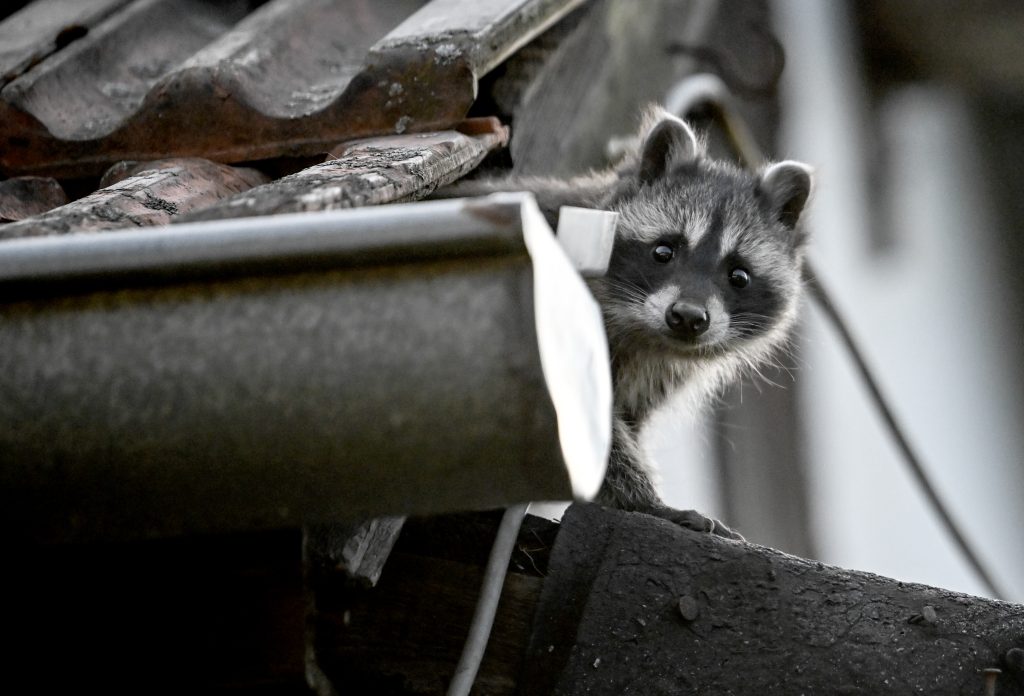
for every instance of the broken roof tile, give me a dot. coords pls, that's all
(25, 196)
(152, 194)
(162, 78)
(372, 171)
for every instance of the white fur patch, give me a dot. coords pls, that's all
(697, 227)
(656, 304)
(646, 223)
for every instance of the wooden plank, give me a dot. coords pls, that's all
(154, 194)
(367, 172)
(405, 635)
(410, 632)
(634, 604)
(25, 196)
(359, 551)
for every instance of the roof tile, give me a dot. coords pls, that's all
(154, 193)
(161, 78)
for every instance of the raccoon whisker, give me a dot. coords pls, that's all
(759, 375)
(754, 369)
(626, 290)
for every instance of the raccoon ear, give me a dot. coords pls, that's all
(668, 143)
(786, 186)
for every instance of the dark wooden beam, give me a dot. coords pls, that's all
(404, 635)
(211, 614)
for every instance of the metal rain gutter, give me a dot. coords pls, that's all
(255, 373)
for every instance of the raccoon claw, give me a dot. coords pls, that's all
(693, 520)
(726, 532)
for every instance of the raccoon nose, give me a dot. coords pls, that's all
(687, 320)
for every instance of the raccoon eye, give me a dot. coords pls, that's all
(663, 253)
(739, 278)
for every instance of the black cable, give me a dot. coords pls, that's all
(709, 90)
(824, 300)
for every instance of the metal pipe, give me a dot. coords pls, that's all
(267, 372)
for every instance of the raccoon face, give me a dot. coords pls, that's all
(708, 257)
(698, 293)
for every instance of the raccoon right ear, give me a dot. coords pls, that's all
(787, 186)
(669, 143)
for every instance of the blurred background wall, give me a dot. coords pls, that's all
(912, 113)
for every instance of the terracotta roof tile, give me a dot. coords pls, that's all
(97, 82)
(372, 171)
(152, 194)
(25, 196)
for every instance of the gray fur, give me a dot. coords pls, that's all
(669, 190)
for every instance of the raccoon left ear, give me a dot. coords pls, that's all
(668, 143)
(786, 186)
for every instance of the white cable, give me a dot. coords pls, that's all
(487, 603)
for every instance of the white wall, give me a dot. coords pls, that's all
(927, 310)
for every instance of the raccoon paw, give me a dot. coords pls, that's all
(691, 519)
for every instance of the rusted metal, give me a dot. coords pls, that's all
(369, 172)
(274, 371)
(25, 196)
(991, 677)
(163, 78)
(152, 194)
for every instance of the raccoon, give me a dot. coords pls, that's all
(703, 282)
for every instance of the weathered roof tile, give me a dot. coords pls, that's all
(368, 172)
(162, 78)
(152, 194)
(43, 28)
(25, 196)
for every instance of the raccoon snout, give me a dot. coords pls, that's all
(687, 320)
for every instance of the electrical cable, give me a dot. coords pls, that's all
(487, 602)
(825, 303)
(709, 91)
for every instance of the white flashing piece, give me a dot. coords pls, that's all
(573, 355)
(587, 236)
